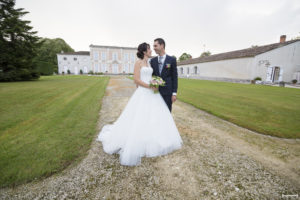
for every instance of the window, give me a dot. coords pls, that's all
(125, 57)
(115, 68)
(96, 67)
(74, 58)
(132, 57)
(188, 70)
(115, 56)
(65, 58)
(103, 56)
(132, 68)
(96, 57)
(181, 70)
(126, 68)
(103, 66)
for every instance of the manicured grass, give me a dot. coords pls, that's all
(266, 109)
(46, 124)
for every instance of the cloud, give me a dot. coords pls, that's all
(220, 25)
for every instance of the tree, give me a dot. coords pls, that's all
(18, 44)
(205, 53)
(184, 56)
(47, 52)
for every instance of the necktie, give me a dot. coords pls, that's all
(160, 64)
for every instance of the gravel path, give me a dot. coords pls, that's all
(218, 160)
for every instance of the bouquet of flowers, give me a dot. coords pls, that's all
(157, 81)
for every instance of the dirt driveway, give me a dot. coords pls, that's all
(218, 160)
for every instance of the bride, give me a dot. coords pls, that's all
(145, 127)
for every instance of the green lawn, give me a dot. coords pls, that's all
(266, 109)
(46, 124)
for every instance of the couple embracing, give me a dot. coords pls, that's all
(146, 127)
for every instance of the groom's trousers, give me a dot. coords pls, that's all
(168, 100)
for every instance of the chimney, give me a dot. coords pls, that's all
(282, 38)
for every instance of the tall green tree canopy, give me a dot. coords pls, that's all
(185, 56)
(50, 47)
(205, 53)
(18, 44)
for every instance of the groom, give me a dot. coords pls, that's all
(165, 66)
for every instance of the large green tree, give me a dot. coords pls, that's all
(18, 44)
(46, 56)
(205, 53)
(184, 56)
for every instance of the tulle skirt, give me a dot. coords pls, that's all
(144, 128)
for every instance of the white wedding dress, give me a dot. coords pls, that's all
(144, 128)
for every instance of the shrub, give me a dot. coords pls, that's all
(257, 78)
(81, 72)
(294, 81)
(69, 72)
(281, 83)
(45, 68)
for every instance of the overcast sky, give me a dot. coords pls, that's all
(186, 25)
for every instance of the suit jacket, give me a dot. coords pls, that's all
(170, 76)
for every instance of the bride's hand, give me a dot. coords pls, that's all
(154, 88)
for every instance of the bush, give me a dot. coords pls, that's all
(294, 81)
(81, 72)
(90, 72)
(63, 73)
(69, 72)
(45, 68)
(281, 83)
(257, 78)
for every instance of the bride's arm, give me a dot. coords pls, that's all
(136, 75)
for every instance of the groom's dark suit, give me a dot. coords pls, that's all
(169, 75)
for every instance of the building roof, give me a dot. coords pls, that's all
(87, 53)
(249, 52)
(113, 47)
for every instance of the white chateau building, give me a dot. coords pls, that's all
(105, 59)
(272, 63)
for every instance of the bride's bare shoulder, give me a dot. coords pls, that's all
(138, 62)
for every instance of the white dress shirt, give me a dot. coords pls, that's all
(163, 60)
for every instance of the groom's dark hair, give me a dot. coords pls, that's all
(160, 41)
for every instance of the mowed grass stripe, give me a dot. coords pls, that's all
(46, 125)
(269, 110)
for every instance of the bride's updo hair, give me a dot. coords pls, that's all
(141, 49)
